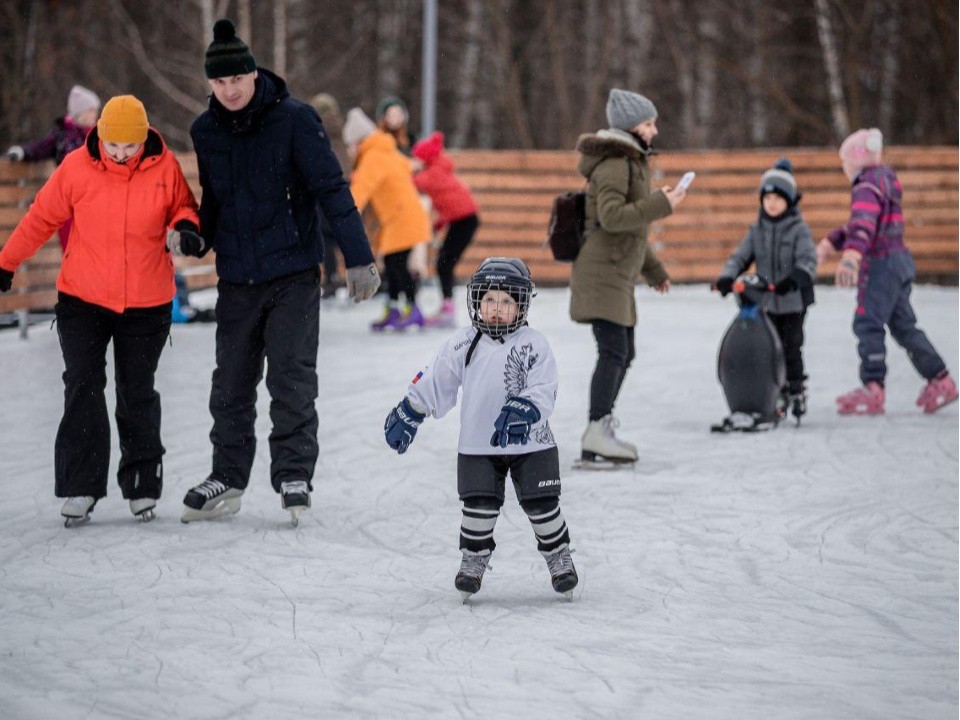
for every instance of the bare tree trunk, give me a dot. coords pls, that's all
(512, 93)
(639, 36)
(244, 21)
(672, 21)
(831, 61)
(756, 62)
(389, 26)
(280, 37)
(467, 76)
(556, 41)
(706, 91)
(889, 65)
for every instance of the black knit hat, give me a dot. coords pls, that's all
(227, 55)
(780, 180)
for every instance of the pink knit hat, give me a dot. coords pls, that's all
(862, 149)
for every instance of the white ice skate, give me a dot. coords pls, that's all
(209, 500)
(143, 508)
(76, 510)
(601, 449)
(295, 496)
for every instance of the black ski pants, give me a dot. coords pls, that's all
(277, 321)
(615, 353)
(790, 329)
(398, 276)
(82, 449)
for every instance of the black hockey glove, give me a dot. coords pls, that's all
(724, 285)
(400, 427)
(513, 425)
(793, 281)
(6, 280)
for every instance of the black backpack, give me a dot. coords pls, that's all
(565, 234)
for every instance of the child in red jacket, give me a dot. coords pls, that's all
(455, 208)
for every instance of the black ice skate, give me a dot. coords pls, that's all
(143, 508)
(295, 496)
(471, 572)
(76, 510)
(563, 574)
(210, 499)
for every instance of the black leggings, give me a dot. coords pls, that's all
(399, 278)
(615, 353)
(458, 237)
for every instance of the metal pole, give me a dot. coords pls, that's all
(428, 100)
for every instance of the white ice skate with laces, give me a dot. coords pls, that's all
(76, 510)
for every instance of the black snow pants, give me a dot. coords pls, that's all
(82, 449)
(277, 321)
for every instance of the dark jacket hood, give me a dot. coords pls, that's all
(270, 89)
(153, 145)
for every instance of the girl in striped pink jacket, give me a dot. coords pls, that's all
(875, 259)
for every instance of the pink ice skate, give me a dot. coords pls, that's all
(938, 392)
(445, 319)
(866, 400)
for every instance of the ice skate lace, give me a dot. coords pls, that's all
(474, 565)
(560, 563)
(209, 488)
(609, 424)
(294, 487)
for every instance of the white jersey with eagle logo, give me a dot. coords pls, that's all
(522, 365)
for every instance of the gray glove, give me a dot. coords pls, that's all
(362, 282)
(14, 153)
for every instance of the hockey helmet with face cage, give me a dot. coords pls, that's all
(509, 275)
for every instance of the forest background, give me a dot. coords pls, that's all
(516, 73)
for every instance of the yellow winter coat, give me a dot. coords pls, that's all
(383, 178)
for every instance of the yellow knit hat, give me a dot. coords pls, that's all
(123, 121)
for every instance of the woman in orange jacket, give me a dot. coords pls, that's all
(129, 200)
(384, 178)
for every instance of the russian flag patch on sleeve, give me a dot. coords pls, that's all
(417, 378)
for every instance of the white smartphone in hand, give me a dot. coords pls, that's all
(686, 180)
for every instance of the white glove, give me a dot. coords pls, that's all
(14, 153)
(362, 282)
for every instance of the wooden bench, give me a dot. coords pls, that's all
(515, 189)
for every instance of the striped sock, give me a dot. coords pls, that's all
(476, 528)
(548, 525)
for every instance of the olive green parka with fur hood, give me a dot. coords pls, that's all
(619, 210)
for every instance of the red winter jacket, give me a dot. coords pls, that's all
(117, 257)
(450, 197)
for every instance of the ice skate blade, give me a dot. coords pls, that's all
(295, 515)
(568, 595)
(230, 506)
(72, 522)
(464, 596)
(147, 515)
(602, 464)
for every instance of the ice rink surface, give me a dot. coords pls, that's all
(800, 573)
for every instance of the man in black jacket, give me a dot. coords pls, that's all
(267, 172)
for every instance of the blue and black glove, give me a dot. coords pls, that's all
(513, 425)
(401, 426)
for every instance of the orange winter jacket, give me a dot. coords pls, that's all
(117, 255)
(383, 177)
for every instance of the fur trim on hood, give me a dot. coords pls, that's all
(610, 143)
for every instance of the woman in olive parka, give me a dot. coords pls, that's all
(619, 210)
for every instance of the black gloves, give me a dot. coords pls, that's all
(795, 280)
(724, 285)
(6, 280)
(184, 240)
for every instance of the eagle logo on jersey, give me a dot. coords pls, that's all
(519, 363)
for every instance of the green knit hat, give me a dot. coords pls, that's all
(227, 55)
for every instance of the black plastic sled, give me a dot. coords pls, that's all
(750, 362)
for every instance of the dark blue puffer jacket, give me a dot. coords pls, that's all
(267, 172)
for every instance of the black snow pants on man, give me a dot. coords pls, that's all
(82, 450)
(278, 321)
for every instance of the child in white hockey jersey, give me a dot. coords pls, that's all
(508, 377)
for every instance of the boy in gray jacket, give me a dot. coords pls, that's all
(781, 245)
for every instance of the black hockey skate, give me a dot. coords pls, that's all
(295, 496)
(563, 575)
(76, 510)
(471, 572)
(210, 499)
(743, 422)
